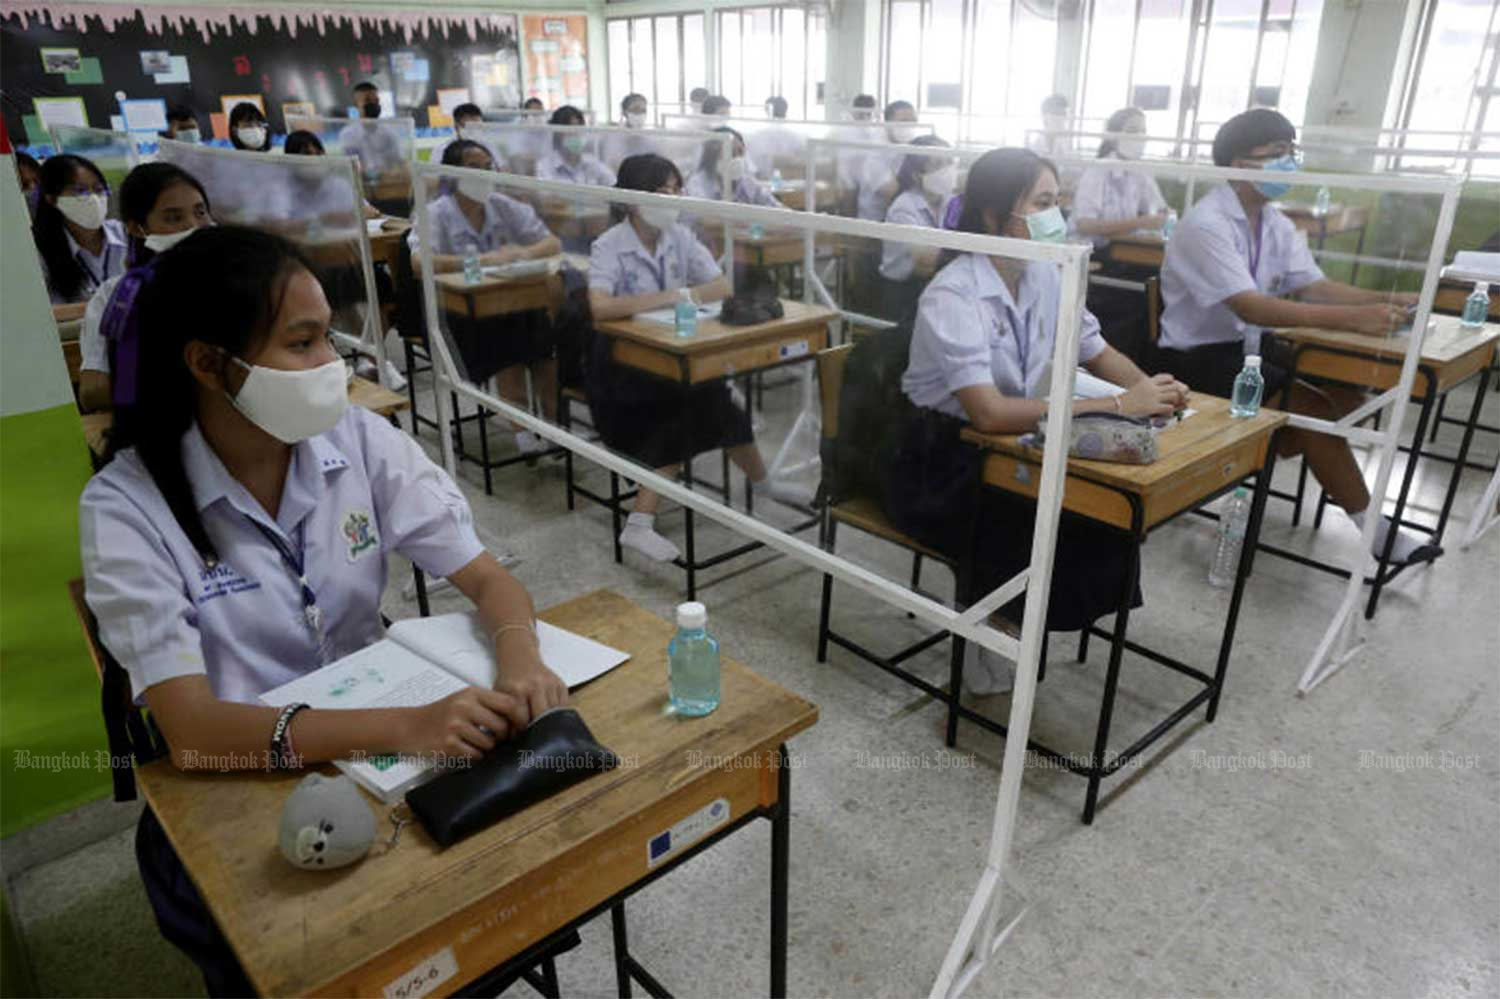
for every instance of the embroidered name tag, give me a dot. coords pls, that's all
(222, 580)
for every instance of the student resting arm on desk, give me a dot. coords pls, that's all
(637, 265)
(983, 337)
(161, 205)
(1229, 264)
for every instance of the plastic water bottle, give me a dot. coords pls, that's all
(1321, 203)
(757, 232)
(776, 182)
(1169, 224)
(1244, 402)
(1476, 307)
(685, 314)
(1232, 524)
(473, 273)
(693, 663)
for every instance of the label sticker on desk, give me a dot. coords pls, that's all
(424, 979)
(684, 834)
(797, 348)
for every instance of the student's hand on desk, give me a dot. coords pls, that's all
(1408, 299)
(534, 687)
(1157, 395)
(1381, 319)
(500, 257)
(1152, 221)
(466, 724)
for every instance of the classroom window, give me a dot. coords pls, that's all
(1453, 81)
(659, 57)
(772, 51)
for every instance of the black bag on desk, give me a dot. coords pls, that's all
(555, 752)
(756, 302)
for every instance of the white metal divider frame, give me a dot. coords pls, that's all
(235, 178)
(979, 922)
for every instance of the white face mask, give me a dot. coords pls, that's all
(734, 171)
(189, 135)
(635, 119)
(660, 219)
(161, 242)
(476, 190)
(294, 405)
(1130, 149)
(903, 133)
(86, 211)
(1054, 122)
(251, 136)
(940, 182)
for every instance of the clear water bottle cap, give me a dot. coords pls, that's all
(692, 615)
(1483, 287)
(685, 294)
(1252, 360)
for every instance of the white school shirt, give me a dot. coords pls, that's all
(1211, 257)
(1105, 194)
(910, 207)
(92, 347)
(620, 265)
(876, 171)
(507, 222)
(747, 190)
(352, 495)
(775, 143)
(97, 268)
(588, 170)
(377, 149)
(969, 331)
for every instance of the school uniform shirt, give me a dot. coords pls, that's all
(352, 495)
(910, 207)
(507, 222)
(93, 348)
(775, 143)
(747, 190)
(971, 331)
(588, 170)
(378, 149)
(97, 268)
(319, 194)
(1105, 194)
(875, 172)
(1212, 256)
(620, 265)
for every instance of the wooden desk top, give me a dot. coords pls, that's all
(1444, 344)
(1143, 238)
(1196, 458)
(712, 333)
(360, 929)
(68, 311)
(453, 281)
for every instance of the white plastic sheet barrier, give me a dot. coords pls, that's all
(592, 151)
(780, 144)
(385, 149)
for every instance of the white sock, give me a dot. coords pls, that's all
(640, 534)
(783, 492)
(986, 672)
(528, 442)
(1406, 542)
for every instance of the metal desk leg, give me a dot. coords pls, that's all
(1116, 653)
(1463, 454)
(687, 480)
(1377, 502)
(622, 950)
(1247, 556)
(781, 847)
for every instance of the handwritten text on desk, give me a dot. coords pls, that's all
(425, 977)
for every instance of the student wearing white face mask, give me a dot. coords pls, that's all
(980, 348)
(248, 128)
(477, 219)
(637, 265)
(877, 171)
(632, 117)
(569, 159)
(239, 535)
(708, 180)
(926, 184)
(79, 246)
(162, 205)
(468, 119)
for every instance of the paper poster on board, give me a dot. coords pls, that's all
(144, 115)
(298, 109)
(177, 71)
(450, 98)
(555, 50)
(61, 60)
(228, 101)
(60, 111)
(155, 61)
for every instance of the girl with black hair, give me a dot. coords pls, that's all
(476, 219)
(708, 180)
(248, 128)
(161, 205)
(981, 355)
(238, 539)
(29, 173)
(569, 159)
(639, 264)
(80, 248)
(926, 183)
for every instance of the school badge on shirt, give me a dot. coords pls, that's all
(359, 533)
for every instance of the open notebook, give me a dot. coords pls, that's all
(424, 660)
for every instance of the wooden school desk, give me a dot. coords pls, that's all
(1143, 249)
(717, 353)
(770, 249)
(575, 224)
(440, 919)
(385, 245)
(1451, 296)
(793, 193)
(1450, 355)
(492, 297)
(1199, 458)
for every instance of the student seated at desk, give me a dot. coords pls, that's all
(876, 172)
(706, 181)
(248, 129)
(378, 149)
(776, 147)
(926, 183)
(467, 119)
(162, 204)
(238, 539)
(637, 265)
(1229, 264)
(632, 117)
(328, 194)
(79, 246)
(477, 219)
(568, 160)
(983, 337)
(182, 125)
(1109, 203)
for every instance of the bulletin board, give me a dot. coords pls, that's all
(196, 56)
(556, 52)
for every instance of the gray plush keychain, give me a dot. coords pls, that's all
(325, 823)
